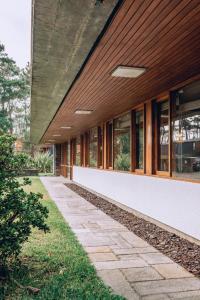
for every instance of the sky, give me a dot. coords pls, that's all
(15, 29)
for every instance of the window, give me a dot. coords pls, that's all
(68, 159)
(122, 129)
(100, 146)
(77, 161)
(139, 139)
(163, 136)
(82, 150)
(186, 132)
(109, 144)
(93, 138)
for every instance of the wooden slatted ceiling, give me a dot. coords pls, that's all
(161, 35)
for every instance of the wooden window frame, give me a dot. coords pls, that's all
(155, 135)
(108, 145)
(89, 141)
(100, 165)
(86, 149)
(133, 140)
(82, 150)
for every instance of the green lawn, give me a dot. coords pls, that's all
(55, 263)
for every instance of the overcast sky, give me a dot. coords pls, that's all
(15, 29)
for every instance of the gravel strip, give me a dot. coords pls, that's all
(185, 253)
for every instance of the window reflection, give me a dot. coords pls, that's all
(100, 146)
(139, 120)
(122, 127)
(163, 136)
(68, 159)
(78, 151)
(186, 132)
(93, 147)
(109, 141)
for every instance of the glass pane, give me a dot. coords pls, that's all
(93, 147)
(139, 116)
(186, 132)
(78, 151)
(68, 159)
(109, 144)
(122, 129)
(163, 136)
(100, 137)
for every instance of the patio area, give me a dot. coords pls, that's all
(126, 263)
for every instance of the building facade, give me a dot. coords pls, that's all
(128, 124)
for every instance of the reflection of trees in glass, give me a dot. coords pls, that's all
(139, 139)
(93, 147)
(78, 151)
(122, 143)
(186, 137)
(122, 161)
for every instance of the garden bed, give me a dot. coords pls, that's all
(180, 250)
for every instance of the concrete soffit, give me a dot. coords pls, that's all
(63, 33)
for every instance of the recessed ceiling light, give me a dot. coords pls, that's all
(51, 140)
(128, 72)
(83, 112)
(56, 134)
(65, 127)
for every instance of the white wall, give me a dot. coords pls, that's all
(175, 203)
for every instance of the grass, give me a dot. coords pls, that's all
(55, 262)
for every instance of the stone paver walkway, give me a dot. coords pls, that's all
(129, 265)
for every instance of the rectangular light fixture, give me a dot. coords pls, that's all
(56, 134)
(83, 112)
(128, 72)
(65, 127)
(51, 140)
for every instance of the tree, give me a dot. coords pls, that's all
(14, 96)
(19, 210)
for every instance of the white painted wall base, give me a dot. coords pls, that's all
(174, 203)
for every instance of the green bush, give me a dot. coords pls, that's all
(19, 210)
(122, 162)
(43, 162)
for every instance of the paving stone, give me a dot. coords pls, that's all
(172, 271)
(116, 280)
(155, 258)
(141, 274)
(186, 295)
(156, 297)
(97, 241)
(121, 242)
(102, 249)
(102, 256)
(166, 286)
(121, 251)
(120, 264)
(133, 239)
(104, 238)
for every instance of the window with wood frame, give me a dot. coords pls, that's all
(109, 144)
(139, 139)
(82, 150)
(122, 142)
(77, 160)
(162, 136)
(100, 146)
(186, 132)
(93, 145)
(68, 159)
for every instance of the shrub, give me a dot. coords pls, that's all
(19, 210)
(122, 162)
(43, 162)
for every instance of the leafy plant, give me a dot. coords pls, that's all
(19, 210)
(43, 161)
